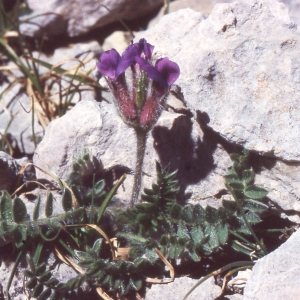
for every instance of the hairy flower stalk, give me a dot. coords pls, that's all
(138, 88)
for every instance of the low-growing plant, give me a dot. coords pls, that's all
(158, 230)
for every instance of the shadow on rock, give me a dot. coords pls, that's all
(176, 147)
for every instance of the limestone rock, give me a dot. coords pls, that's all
(176, 290)
(240, 66)
(78, 17)
(16, 120)
(276, 275)
(206, 6)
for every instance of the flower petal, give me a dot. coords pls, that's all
(170, 70)
(145, 49)
(151, 71)
(108, 63)
(127, 59)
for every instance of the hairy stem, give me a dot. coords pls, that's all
(141, 137)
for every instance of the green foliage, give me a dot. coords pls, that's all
(113, 275)
(188, 231)
(42, 285)
(177, 230)
(81, 178)
(153, 215)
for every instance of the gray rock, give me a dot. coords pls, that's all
(16, 118)
(239, 72)
(78, 17)
(276, 276)
(206, 6)
(176, 290)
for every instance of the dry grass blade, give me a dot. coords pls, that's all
(98, 229)
(39, 110)
(11, 151)
(172, 272)
(59, 181)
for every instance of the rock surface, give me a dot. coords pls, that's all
(206, 6)
(243, 74)
(70, 17)
(16, 120)
(176, 290)
(276, 276)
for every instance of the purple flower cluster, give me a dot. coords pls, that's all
(138, 86)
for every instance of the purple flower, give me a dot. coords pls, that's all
(138, 99)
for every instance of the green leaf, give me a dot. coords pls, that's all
(51, 282)
(19, 235)
(40, 269)
(99, 186)
(82, 255)
(164, 240)
(252, 217)
(30, 263)
(194, 256)
(197, 234)
(45, 295)
(136, 283)
(19, 210)
(236, 186)
(232, 178)
(213, 241)
(97, 245)
(175, 211)
(238, 246)
(255, 206)
(182, 231)
(179, 251)
(31, 283)
(224, 213)
(49, 205)
(247, 176)
(211, 214)
(172, 251)
(45, 277)
(5, 207)
(158, 167)
(222, 232)
(125, 287)
(76, 167)
(255, 192)
(29, 273)
(67, 200)
(235, 157)
(36, 211)
(186, 215)
(230, 205)
(199, 214)
(114, 284)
